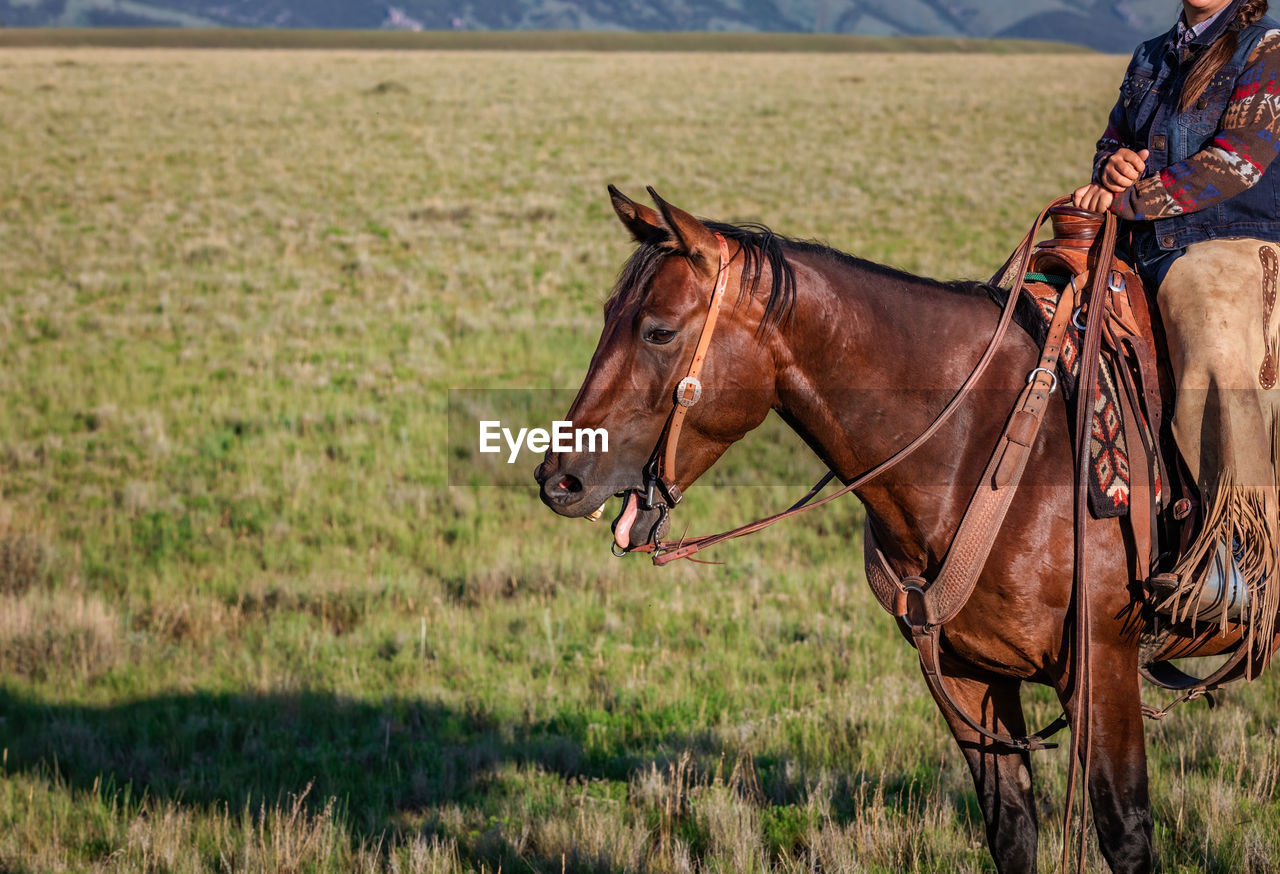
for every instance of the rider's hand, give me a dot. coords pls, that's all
(1123, 169)
(1092, 197)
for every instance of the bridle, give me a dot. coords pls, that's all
(659, 490)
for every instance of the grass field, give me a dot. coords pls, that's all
(508, 40)
(246, 624)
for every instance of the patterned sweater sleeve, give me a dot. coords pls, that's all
(1234, 161)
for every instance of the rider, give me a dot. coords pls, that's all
(1185, 160)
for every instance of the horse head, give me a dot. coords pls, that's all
(653, 322)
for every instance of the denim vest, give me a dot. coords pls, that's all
(1149, 96)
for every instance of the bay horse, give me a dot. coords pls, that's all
(858, 358)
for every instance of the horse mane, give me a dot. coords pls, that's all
(762, 247)
(759, 246)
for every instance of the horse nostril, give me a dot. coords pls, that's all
(568, 484)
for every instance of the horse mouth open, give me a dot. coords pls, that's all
(573, 496)
(637, 524)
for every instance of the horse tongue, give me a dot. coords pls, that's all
(622, 527)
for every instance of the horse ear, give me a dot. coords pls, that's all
(644, 222)
(692, 237)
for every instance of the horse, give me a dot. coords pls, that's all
(858, 358)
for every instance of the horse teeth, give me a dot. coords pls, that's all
(595, 517)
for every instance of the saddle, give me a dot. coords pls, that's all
(1131, 450)
(1117, 351)
(1136, 469)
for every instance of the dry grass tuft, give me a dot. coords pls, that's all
(424, 855)
(46, 634)
(24, 562)
(159, 841)
(733, 828)
(593, 838)
(26, 557)
(289, 839)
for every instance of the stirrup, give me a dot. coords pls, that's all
(1223, 581)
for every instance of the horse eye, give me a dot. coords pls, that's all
(659, 336)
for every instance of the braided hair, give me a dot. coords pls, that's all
(1219, 53)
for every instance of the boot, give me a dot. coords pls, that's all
(1223, 582)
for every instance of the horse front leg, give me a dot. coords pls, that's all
(1002, 776)
(1117, 765)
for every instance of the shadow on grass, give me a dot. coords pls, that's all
(232, 751)
(204, 748)
(380, 761)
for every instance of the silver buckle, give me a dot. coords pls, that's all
(687, 385)
(1047, 372)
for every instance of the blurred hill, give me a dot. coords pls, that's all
(1105, 25)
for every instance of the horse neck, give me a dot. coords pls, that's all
(869, 359)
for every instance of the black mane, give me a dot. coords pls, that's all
(761, 246)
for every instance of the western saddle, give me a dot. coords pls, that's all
(1164, 507)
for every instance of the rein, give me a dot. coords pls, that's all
(689, 391)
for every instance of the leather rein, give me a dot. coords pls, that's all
(660, 490)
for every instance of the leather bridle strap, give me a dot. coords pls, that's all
(659, 472)
(689, 390)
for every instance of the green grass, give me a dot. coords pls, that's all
(513, 40)
(246, 623)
